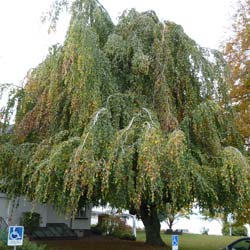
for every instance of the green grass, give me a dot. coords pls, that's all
(195, 241)
(186, 242)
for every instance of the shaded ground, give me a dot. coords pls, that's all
(98, 243)
(186, 242)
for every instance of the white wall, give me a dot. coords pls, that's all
(54, 217)
(20, 206)
(83, 223)
(3, 206)
(12, 211)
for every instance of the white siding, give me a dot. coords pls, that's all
(83, 223)
(12, 211)
(54, 217)
(20, 206)
(3, 206)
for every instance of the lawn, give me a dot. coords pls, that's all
(196, 241)
(186, 242)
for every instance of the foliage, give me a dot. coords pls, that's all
(3, 238)
(242, 216)
(170, 215)
(7, 91)
(136, 115)
(237, 53)
(236, 230)
(30, 221)
(113, 226)
(27, 245)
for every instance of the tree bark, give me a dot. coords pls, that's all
(152, 224)
(170, 223)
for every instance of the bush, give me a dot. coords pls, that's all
(3, 237)
(113, 226)
(30, 221)
(236, 230)
(27, 245)
(125, 236)
(96, 229)
(3, 246)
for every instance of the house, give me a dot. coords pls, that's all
(11, 212)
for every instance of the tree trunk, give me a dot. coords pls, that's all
(170, 223)
(152, 225)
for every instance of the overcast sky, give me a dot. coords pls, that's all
(24, 39)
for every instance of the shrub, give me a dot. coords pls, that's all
(125, 236)
(236, 230)
(27, 245)
(3, 246)
(113, 226)
(3, 237)
(96, 229)
(30, 221)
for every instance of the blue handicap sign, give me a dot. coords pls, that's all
(175, 240)
(15, 235)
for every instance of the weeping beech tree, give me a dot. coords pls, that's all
(135, 115)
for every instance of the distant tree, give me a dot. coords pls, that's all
(237, 52)
(171, 215)
(237, 230)
(242, 216)
(128, 114)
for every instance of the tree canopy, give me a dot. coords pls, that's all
(237, 52)
(136, 115)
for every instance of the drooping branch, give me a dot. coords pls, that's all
(116, 111)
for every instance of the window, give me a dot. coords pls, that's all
(241, 245)
(81, 213)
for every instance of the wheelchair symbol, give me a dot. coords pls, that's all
(15, 233)
(175, 240)
(15, 236)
